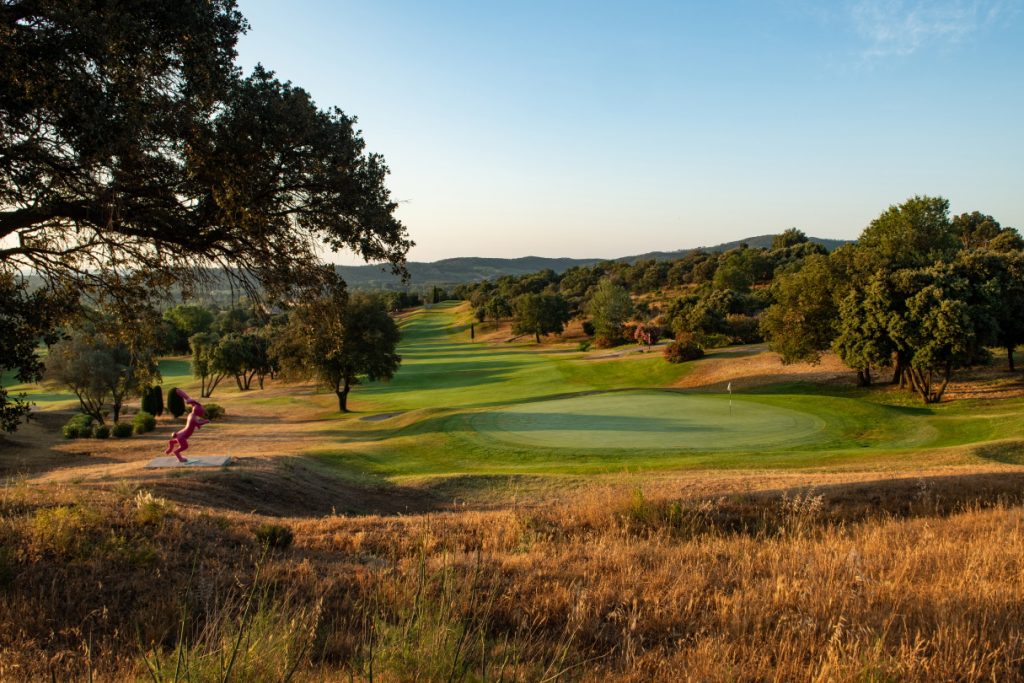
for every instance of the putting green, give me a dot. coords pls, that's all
(649, 420)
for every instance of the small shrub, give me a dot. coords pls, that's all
(603, 342)
(584, 346)
(214, 411)
(175, 403)
(121, 430)
(78, 427)
(276, 536)
(588, 328)
(681, 351)
(143, 422)
(149, 509)
(101, 432)
(64, 530)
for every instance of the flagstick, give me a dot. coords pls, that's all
(730, 399)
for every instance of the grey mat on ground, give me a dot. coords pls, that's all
(198, 461)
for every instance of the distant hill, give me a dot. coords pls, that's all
(760, 241)
(454, 271)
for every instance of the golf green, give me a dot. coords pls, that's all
(649, 420)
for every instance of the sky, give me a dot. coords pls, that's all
(604, 129)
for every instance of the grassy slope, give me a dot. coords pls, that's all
(445, 382)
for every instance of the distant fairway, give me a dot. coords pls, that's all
(649, 421)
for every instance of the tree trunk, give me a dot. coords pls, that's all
(537, 335)
(864, 377)
(238, 381)
(1009, 357)
(343, 397)
(945, 381)
(901, 374)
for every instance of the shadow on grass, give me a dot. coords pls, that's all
(292, 488)
(1009, 452)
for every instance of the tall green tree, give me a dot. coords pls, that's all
(338, 341)
(943, 325)
(186, 320)
(998, 280)
(499, 308)
(913, 234)
(135, 155)
(100, 369)
(801, 324)
(609, 307)
(130, 140)
(862, 338)
(208, 365)
(539, 314)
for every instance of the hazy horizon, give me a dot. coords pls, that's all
(353, 261)
(596, 130)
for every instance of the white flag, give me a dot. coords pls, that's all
(729, 388)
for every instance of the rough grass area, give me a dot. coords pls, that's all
(797, 584)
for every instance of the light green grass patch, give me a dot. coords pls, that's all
(649, 420)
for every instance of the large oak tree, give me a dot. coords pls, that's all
(337, 340)
(130, 143)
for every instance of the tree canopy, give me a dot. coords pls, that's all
(539, 314)
(919, 292)
(129, 140)
(134, 154)
(609, 307)
(337, 340)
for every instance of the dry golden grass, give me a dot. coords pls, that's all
(911, 579)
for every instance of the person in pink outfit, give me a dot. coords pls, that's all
(196, 419)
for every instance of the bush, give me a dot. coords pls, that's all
(680, 351)
(153, 400)
(101, 432)
(121, 430)
(78, 427)
(276, 536)
(214, 411)
(743, 329)
(584, 346)
(175, 403)
(717, 341)
(588, 328)
(143, 422)
(603, 342)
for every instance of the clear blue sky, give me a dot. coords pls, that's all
(600, 129)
